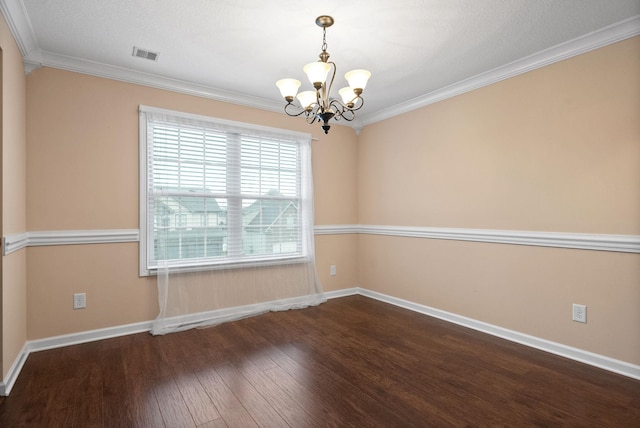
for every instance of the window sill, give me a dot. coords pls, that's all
(186, 267)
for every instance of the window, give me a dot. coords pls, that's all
(219, 193)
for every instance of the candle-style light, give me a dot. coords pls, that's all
(318, 105)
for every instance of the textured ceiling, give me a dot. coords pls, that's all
(236, 50)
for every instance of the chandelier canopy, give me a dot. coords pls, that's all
(317, 105)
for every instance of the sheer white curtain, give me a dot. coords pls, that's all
(203, 297)
(229, 219)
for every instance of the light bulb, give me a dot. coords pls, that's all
(317, 72)
(288, 88)
(347, 95)
(307, 98)
(357, 78)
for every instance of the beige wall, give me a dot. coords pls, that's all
(13, 218)
(83, 174)
(83, 141)
(556, 149)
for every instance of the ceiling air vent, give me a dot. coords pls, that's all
(144, 53)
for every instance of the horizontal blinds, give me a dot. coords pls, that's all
(220, 192)
(188, 159)
(269, 167)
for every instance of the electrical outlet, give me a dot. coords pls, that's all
(579, 313)
(332, 270)
(79, 300)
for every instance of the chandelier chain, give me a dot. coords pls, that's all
(324, 39)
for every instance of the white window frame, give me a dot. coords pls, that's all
(146, 244)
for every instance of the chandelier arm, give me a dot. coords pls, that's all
(355, 104)
(311, 114)
(338, 106)
(358, 103)
(310, 118)
(296, 107)
(342, 111)
(350, 116)
(327, 90)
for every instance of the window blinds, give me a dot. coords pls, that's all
(216, 192)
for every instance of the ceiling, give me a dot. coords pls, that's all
(418, 51)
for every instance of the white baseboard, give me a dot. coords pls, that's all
(342, 293)
(14, 371)
(601, 361)
(66, 340)
(87, 336)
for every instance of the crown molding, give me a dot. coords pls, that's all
(605, 36)
(38, 58)
(22, 30)
(92, 68)
(19, 24)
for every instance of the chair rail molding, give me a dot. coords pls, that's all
(11, 243)
(14, 242)
(341, 229)
(581, 241)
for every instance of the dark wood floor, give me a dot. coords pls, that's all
(349, 362)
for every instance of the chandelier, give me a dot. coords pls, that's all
(318, 105)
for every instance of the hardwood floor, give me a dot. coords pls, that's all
(351, 362)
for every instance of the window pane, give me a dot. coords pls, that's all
(270, 227)
(269, 168)
(188, 159)
(220, 192)
(189, 227)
